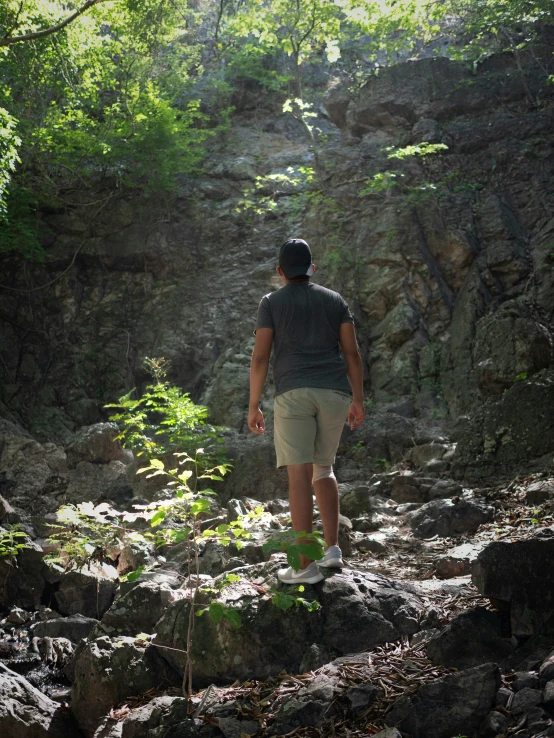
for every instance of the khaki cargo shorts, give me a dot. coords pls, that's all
(308, 423)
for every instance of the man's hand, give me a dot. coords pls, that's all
(256, 421)
(356, 414)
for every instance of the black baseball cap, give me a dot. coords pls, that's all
(295, 258)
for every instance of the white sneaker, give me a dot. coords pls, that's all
(309, 575)
(332, 558)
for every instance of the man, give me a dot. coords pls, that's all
(316, 390)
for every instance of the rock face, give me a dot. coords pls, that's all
(358, 611)
(510, 430)
(515, 573)
(27, 713)
(452, 705)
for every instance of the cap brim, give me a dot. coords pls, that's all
(298, 271)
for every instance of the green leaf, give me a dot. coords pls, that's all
(132, 576)
(233, 617)
(158, 518)
(200, 506)
(293, 558)
(157, 464)
(311, 550)
(216, 611)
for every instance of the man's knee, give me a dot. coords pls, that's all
(322, 472)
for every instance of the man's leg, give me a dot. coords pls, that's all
(301, 501)
(327, 498)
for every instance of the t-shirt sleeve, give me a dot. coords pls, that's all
(345, 314)
(264, 319)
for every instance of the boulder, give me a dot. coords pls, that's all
(458, 561)
(452, 705)
(33, 473)
(254, 473)
(95, 443)
(108, 671)
(385, 436)
(421, 455)
(88, 591)
(515, 572)
(27, 713)
(89, 482)
(357, 611)
(447, 518)
(444, 489)
(470, 639)
(74, 628)
(23, 581)
(355, 500)
(539, 492)
(138, 610)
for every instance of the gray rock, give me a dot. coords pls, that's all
(421, 455)
(277, 507)
(388, 733)
(525, 699)
(138, 610)
(504, 696)
(108, 671)
(315, 656)
(233, 728)
(215, 558)
(525, 679)
(546, 671)
(454, 704)
(458, 561)
(355, 500)
(74, 628)
(24, 583)
(539, 492)
(371, 544)
(494, 724)
(296, 714)
(548, 695)
(512, 429)
(444, 488)
(17, 616)
(235, 508)
(448, 518)
(89, 591)
(253, 460)
(470, 639)
(514, 572)
(361, 696)
(27, 713)
(358, 611)
(96, 444)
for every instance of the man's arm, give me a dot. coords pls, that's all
(354, 370)
(258, 374)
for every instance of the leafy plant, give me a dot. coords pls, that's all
(89, 533)
(295, 545)
(285, 600)
(11, 541)
(164, 420)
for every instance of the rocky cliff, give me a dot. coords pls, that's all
(448, 266)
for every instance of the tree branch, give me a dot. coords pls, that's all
(9, 40)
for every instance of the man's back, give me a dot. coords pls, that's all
(306, 320)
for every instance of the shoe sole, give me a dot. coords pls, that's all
(307, 580)
(332, 564)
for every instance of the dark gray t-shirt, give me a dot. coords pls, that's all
(306, 319)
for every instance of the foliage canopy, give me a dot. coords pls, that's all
(124, 93)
